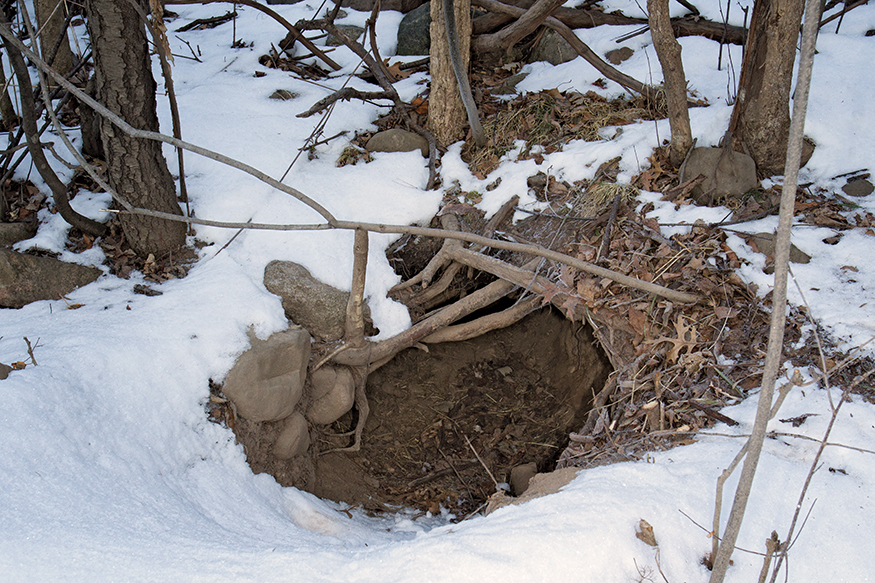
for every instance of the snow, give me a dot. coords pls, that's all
(111, 472)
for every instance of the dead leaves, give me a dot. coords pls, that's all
(687, 338)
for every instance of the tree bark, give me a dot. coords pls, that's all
(761, 116)
(7, 111)
(135, 167)
(446, 112)
(52, 19)
(668, 49)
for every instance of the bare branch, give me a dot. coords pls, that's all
(11, 38)
(293, 31)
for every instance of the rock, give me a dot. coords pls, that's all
(508, 87)
(858, 187)
(294, 438)
(397, 140)
(617, 56)
(11, 233)
(727, 174)
(520, 477)
(5, 369)
(26, 278)
(765, 242)
(308, 302)
(553, 49)
(267, 381)
(283, 95)
(333, 394)
(350, 30)
(414, 37)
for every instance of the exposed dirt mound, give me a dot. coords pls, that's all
(514, 393)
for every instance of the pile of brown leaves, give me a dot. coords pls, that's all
(677, 365)
(549, 119)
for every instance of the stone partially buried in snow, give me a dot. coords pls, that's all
(11, 233)
(617, 56)
(397, 140)
(727, 174)
(858, 187)
(25, 278)
(267, 381)
(414, 34)
(553, 48)
(308, 302)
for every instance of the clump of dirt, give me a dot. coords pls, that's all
(512, 395)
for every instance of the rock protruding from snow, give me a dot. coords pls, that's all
(727, 174)
(397, 140)
(414, 32)
(267, 381)
(333, 394)
(308, 302)
(26, 278)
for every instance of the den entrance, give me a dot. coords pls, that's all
(512, 395)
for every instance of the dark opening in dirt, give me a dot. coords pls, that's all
(514, 394)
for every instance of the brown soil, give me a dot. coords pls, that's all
(514, 393)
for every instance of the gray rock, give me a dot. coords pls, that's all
(617, 56)
(333, 394)
(11, 233)
(414, 37)
(308, 302)
(765, 242)
(858, 187)
(520, 477)
(267, 381)
(397, 140)
(25, 278)
(727, 174)
(553, 48)
(283, 95)
(349, 30)
(508, 87)
(294, 438)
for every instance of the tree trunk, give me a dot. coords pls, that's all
(668, 49)
(135, 167)
(52, 18)
(761, 117)
(446, 112)
(7, 111)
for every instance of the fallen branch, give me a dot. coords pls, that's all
(124, 126)
(576, 18)
(578, 45)
(294, 33)
(28, 124)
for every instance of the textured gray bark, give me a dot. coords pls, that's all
(51, 17)
(446, 112)
(668, 49)
(135, 167)
(761, 116)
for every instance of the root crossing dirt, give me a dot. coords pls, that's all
(514, 394)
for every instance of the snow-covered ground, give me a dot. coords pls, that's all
(110, 470)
